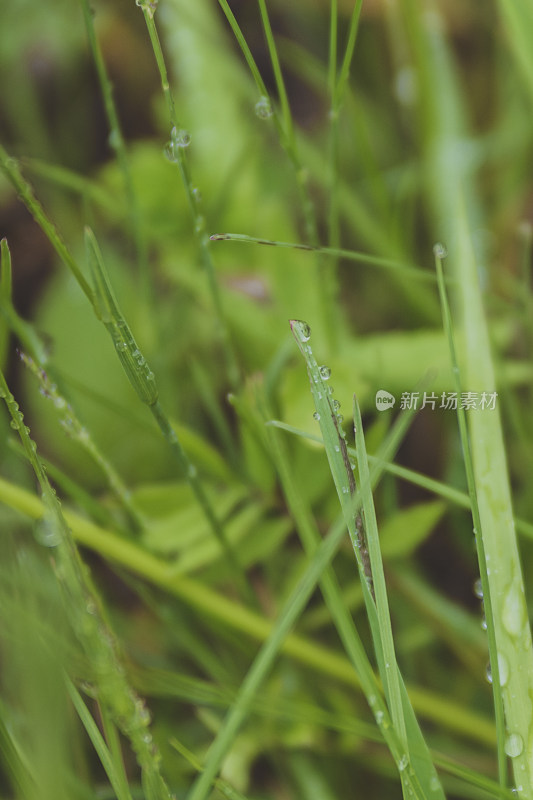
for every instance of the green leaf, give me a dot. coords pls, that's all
(408, 528)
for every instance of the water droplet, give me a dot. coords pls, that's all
(121, 346)
(434, 783)
(83, 435)
(340, 419)
(484, 623)
(316, 416)
(113, 140)
(168, 152)
(503, 669)
(478, 589)
(336, 405)
(406, 86)
(263, 107)
(302, 329)
(513, 614)
(46, 533)
(488, 673)
(149, 6)
(197, 194)
(403, 762)
(180, 137)
(379, 717)
(60, 402)
(325, 372)
(90, 607)
(199, 226)
(514, 744)
(15, 424)
(142, 713)
(440, 251)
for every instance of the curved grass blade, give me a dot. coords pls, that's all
(86, 615)
(497, 662)
(493, 491)
(143, 381)
(176, 152)
(445, 713)
(449, 493)
(368, 558)
(25, 192)
(114, 771)
(402, 713)
(333, 252)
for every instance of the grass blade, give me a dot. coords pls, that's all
(116, 141)
(84, 608)
(368, 556)
(25, 192)
(333, 252)
(114, 772)
(176, 153)
(143, 381)
(496, 661)
(451, 716)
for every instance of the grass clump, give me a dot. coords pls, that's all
(289, 590)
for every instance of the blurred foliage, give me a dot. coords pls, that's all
(309, 736)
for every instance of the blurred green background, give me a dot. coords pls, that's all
(434, 90)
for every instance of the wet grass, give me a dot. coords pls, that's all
(286, 577)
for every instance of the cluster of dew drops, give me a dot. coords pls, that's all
(180, 138)
(324, 374)
(514, 744)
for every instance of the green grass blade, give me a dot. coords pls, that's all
(334, 252)
(176, 153)
(143, 381)
(495, 660)
(25, 192)
(505, 579)
(288, 126)
(73, 428)
(264, 660)
(223, 786)
(338, 610)
(518, 19)
(417, 752)
(116, 141)
(86, 617)
(451, 716)
(340, 86)
(114, 772)
(5, 296)
(15, 765)
(325, 284)
(366, 547)
(436, 487)
(247, 53)
(328, 416)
